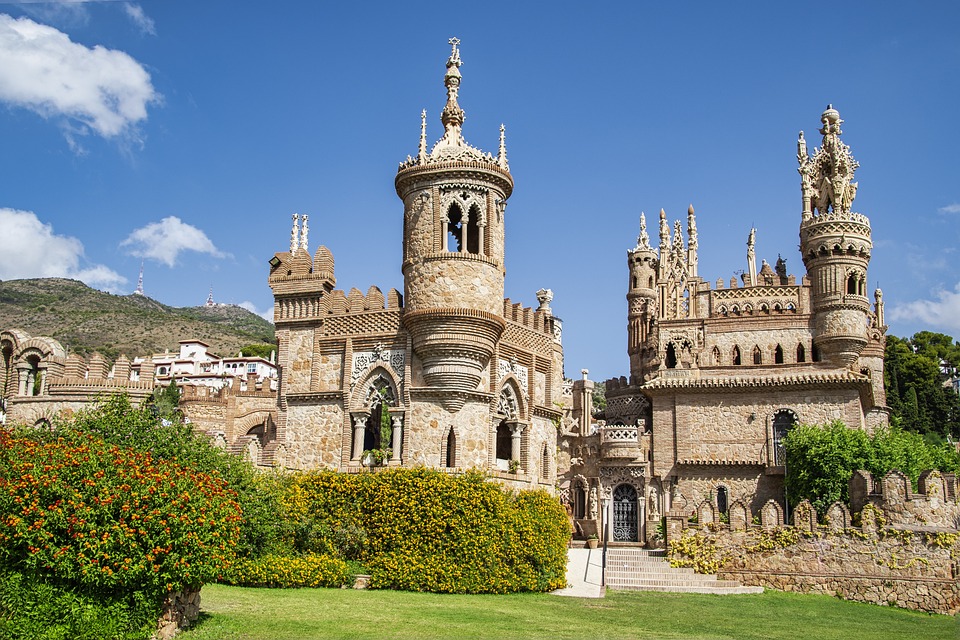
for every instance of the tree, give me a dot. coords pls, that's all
(261, 350)
(915, 370)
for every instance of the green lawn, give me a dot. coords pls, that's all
(234, 613)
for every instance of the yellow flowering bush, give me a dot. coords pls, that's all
(422, 530)
(283, 571)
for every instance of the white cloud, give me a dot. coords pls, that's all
(252, 308)
(950, 208)
(164, 241)
(943, 312)
(97, 89)
(142, 20)
(30, 249)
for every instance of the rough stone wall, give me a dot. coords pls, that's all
(314, 435)
(426, 432)
(329, 368)
(180, 610)
(454, 281)
(699, 483)
(902, 570)
(772, 332)
(297, 367)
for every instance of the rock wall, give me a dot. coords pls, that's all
(180, 610)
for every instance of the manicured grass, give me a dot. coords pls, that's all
(235, 613)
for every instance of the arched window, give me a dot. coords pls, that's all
(545, 463)
(504, 441)
(450, 455)
(778, 355)
(816, 353)
(852, 284)
(454, 230)
(783, 421)
(757, 355)
(801, 353)
(716, 356)
(636, 282)
(671, 356)
(34, 376)
(379, 430)
(579, 501)
(650, 282)
(473, 230)
(723, 499)
(736, 355)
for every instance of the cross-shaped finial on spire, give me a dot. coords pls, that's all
(454, 42)
(455, 53)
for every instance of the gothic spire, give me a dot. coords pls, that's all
(643, 240)
(295, 233)
(452, 115)
(502, 155)
(422, 154)
(304, 230)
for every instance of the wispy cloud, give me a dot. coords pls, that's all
(252, 308)
(943, 311)
(142, 20)
(30, 249)
(950, 208)
(100, 90)
(164, 241)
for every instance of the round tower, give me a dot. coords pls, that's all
(641, 304)
(835, 244)
(453, 245)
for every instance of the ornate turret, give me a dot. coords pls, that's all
(641, 303)
(453, 242)
(835, 244)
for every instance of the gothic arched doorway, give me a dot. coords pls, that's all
(625, 514)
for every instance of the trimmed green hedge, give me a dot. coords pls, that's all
(423, 530)
(285, 571)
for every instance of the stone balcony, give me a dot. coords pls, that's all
(624, 442)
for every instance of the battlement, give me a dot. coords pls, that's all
(534, 320)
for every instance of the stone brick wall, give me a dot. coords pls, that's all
(902, 548)
(180, 610)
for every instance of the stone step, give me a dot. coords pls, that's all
(648, 570)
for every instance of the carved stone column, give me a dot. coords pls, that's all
(397, 438)
(24, 375)
(359, 426)
(516, 430)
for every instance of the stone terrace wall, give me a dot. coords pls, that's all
(884, 555)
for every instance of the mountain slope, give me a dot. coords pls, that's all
(85, 320)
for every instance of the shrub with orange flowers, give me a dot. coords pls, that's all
(80, 515)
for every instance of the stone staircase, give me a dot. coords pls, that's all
(634, 569)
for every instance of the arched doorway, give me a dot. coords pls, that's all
(625, 514)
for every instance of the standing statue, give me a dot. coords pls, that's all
(594, 507)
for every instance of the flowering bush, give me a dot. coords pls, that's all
(110, 522)
(285, 571)
(423, 530)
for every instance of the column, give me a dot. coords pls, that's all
(397, 438)
(359, 426)
(516, 430)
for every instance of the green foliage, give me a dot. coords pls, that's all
(697, 551)
(115, 421)
(821, 460)
(285, 572)
(33, 608)
(258, 350)
(599, 397)
(914, 383)
(423, 530)
(104, 531)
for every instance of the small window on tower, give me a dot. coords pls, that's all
(454, 229)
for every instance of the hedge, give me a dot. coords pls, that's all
(423, 530)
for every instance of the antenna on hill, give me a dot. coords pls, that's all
(210, 302)
(139, 291)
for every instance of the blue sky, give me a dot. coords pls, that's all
(185, 134)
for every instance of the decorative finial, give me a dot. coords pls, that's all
(422, 155)
(295, 234)
(664, 232)
(643, 240)
(691, 227)
(452, 115)
(502, 156)
(304, 243)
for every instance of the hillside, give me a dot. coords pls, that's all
(85, 320)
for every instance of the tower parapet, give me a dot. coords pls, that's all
(835, 243)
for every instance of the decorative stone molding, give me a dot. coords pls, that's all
(363, 361)
(506, 367)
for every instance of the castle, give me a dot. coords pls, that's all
(449, 374)
(719, 374)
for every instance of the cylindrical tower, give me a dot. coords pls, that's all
(641, 304)
(453, 245)
(835, 244)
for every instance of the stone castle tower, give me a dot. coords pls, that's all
(453, 264)
(720, 372)
(449, 374)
